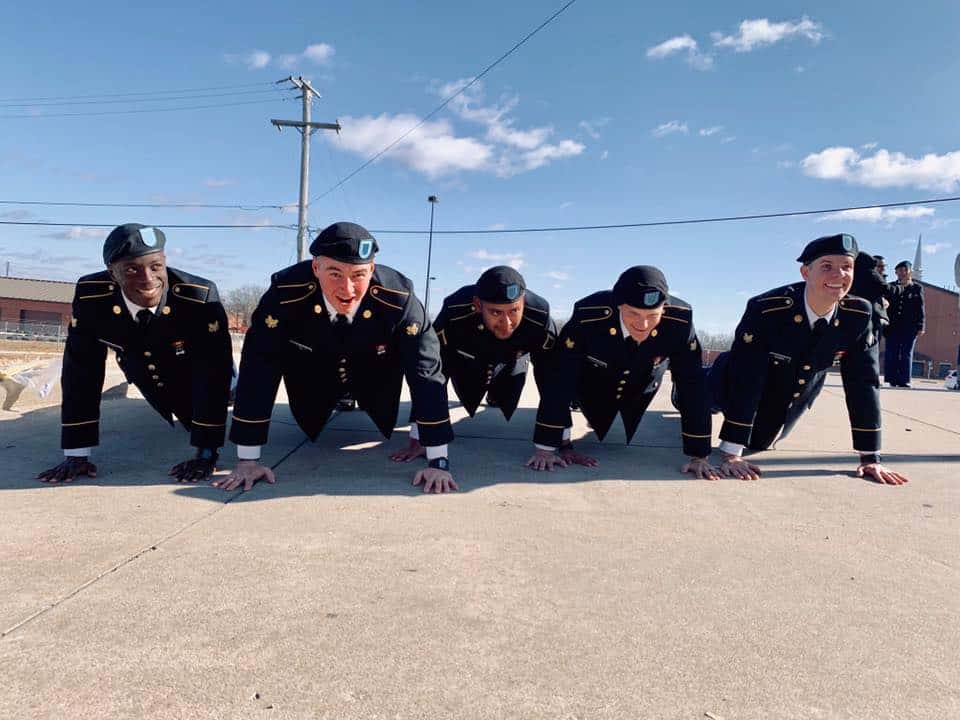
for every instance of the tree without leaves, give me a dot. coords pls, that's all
(240, 304)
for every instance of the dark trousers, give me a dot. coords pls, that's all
(898, 356)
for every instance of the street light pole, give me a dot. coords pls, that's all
(433, 200)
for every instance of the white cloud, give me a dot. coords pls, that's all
(681, 44)
(218, 182)
(497, 226)
(669, 128)
(876, 215)
(557, 275)
(436, 149)
(514, 260)
(318, 54)
(566, 204)
(80, 233)
(432, 149)
(708, 131)
(590, 127)
(728, 139)
(605, 154)
(799, 69)
(934, 248)
(760, 32)
(869, 146)
(785, 163)
(257, 60)
(885, 169)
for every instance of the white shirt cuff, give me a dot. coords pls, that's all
(731, 448)
(564, 437)
(248, 452)
(77, 452)
(436, 451)
(414, 431)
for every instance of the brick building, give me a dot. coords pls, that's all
(937, 349)
(41, 302)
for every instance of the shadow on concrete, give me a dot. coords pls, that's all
(351, 458)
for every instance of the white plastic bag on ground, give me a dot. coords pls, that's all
(40, 377)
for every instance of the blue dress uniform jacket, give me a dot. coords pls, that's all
(906, 308)
(182, 361)
(477, 362)
(291, 337)
(777, 367)
(606, 374)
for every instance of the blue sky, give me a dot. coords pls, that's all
(614, 113)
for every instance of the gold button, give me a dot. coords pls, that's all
(151, 368)
(317, 309)
(836, 323)
(613, 331)
(480, 326)
(806, 367)
(653, 333)
(796, 395)
(618, 397)
(626, 372)
(375, 291)
(166, 310)
(801, 381)
(367, 314)
(155, 377)
(177, 289)
(159, 384)
(798, 319)
(116, 309)
(623, 382)
(147, 353)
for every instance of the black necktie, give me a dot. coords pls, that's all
(143, 318)
(340, 327)
(819, 327)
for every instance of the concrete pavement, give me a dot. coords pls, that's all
(623, 591)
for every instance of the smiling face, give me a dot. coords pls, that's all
(500, 319)
(640, 322)
(904, 275)
(142, 279)
(343, 284)
(828, 278)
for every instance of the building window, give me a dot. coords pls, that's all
(40, 317)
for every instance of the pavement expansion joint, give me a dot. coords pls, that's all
(137, 555)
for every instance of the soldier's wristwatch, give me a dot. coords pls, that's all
(207, 454)
(440, 463)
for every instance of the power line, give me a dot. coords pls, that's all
(162, 225)
(683, 221)
(33, 116)
(114, 101)
(567, 228)
(446, 101)
(46, 203)
(133, 94)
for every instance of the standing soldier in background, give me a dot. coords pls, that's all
(489, 333)
(612, 356)
(170, 335)
(785, 343)
(906, 323)
(340, 325)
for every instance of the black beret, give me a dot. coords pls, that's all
(501, 284)
(642, 286)
(132, 240)
(346, 242)
(842, 244)
(903, 263)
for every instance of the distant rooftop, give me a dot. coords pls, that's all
(32, 289)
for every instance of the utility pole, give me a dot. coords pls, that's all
(306, 129)
(433, 200)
